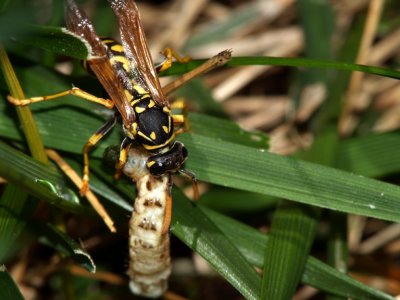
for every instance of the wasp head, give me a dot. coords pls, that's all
(168, 162)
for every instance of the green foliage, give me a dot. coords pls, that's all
(221, 154)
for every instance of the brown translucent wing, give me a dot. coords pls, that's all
(78, 23)
(136, 48)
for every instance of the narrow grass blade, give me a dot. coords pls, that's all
(249, 169)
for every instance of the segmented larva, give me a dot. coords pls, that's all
(149, 252)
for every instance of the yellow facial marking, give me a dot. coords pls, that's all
(117, 48)
(139, 109)
(150, 163)
(153, 135)
(151, 104)
(165, 128)
(121, 59)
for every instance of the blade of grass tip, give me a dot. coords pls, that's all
(14, 201)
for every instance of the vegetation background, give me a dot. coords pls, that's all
(288, 206)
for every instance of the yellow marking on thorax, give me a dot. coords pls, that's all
(117, 48)
(153, 147)
(139, 109)
(139, 89)
(109, 41)
(120, 59)
(128, 95)
(151, 104)
(134, 101)
(144, 136)
(166, 129)
(153, 135)
(166, 109)
(134, 128)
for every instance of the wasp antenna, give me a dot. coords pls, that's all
(195, 186)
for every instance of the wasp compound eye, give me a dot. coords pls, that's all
(168, 162)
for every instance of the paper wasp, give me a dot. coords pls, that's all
(127, 73)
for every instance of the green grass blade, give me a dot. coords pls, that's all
(179, 68)
(13, 203)
(8, 287)
(56, 40)
(252, 243)
(290, 239)
(249, 169)
(37, 179)
(373, 155)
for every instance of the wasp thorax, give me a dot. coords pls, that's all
(169, 161)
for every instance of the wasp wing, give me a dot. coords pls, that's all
(136, 48)
(78, 23)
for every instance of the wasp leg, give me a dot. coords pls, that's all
(169, 53)
(168, 207)
(179, 103)
(94, 201)
(215, 61)
(93, 140)
(74, 91)
(180, 119)
(123, 153)
(192, 177)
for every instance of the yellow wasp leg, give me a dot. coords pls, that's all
(180, 119)
(74, 91)
(179, 103)
(93, 140)
(94, 201)
(123, 154)
(169, 53)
